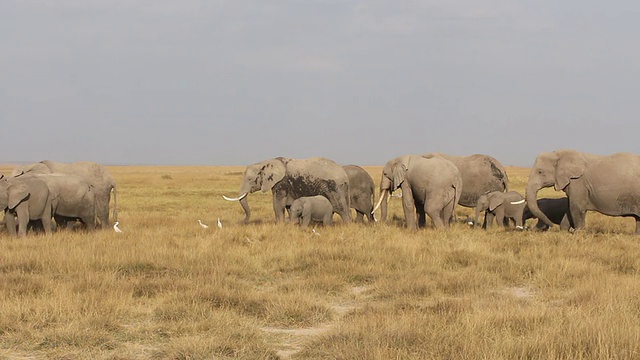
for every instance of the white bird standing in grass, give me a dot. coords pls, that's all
(219, 224)
(315, 232)
(204, 226)
(116, 228)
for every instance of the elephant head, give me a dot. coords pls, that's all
(35, 168)
(555, 169)
(482, 205)
(296, 210)
(393, 175)
(261, 176)
(16, 193)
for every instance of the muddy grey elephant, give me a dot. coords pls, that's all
(556, 209)
(25, 199)
(607, 184)
(289, 179)
(306, 209)
(501, 206)
(73, 199)
(361, 192)
(430, 186)
(480, 174)
(93, 174)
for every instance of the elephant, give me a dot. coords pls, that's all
(311, 208)
(94, 174)
(361, 192)
(429, 186)
(608, 184)
(289, 179)
(27, 199)
(556, 209)
(480, 174)
(501, 205)
(73, 199)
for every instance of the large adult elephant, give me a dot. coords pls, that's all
(430, 186)
(290, 179)
(607, 184)
(72, 198)
(92, 173)
(480, 174)
(361, 192)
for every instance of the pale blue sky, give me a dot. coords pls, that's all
(235, 82)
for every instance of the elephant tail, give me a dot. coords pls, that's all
(115, 203)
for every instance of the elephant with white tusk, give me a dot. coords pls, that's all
(290, 179)
(607, 184)
(501, 206)
(430, 186)
(480, 174)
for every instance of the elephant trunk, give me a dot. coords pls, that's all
(384, 202)
(475, 220)
(532, 201)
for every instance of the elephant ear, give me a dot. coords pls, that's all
(272, 172)
(399, 174)
(570, 165)
(17, 193)
(495, 201)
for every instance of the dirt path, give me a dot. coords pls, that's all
(293, 340)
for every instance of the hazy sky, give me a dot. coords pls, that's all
(235, 82)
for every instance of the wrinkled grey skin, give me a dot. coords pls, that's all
(480, 174)
(362, 191)
(501, 206)
(556, 209)
(289, 179)
(306, 209)
(25, 199)
(93, 174)
(73, 199)
(429, 187)
(607, 184)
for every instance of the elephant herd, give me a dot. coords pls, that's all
(314, 189)
(35, 194)
(434, 184)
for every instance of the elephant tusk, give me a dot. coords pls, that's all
(379, 201)
(517, 202)
(235, 199)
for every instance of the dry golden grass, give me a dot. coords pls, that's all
(168, 289)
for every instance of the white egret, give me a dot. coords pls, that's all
(116, 228)
(204, 226)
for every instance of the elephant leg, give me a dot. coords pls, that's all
(328, 220)
(306, 220)
(359, 217)
(23, 221)
(10, 223)
(518, 219)
(408, 206)
(488, 219)
(435, 213)
(279, 206)
(565, 224)
(637, 225)
(577, 216)
(448, 214)
(422, 215)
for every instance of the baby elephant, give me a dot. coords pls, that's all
(312, 208)
(556, 209)
(501, 205)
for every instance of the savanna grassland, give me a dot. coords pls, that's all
(166, 288)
